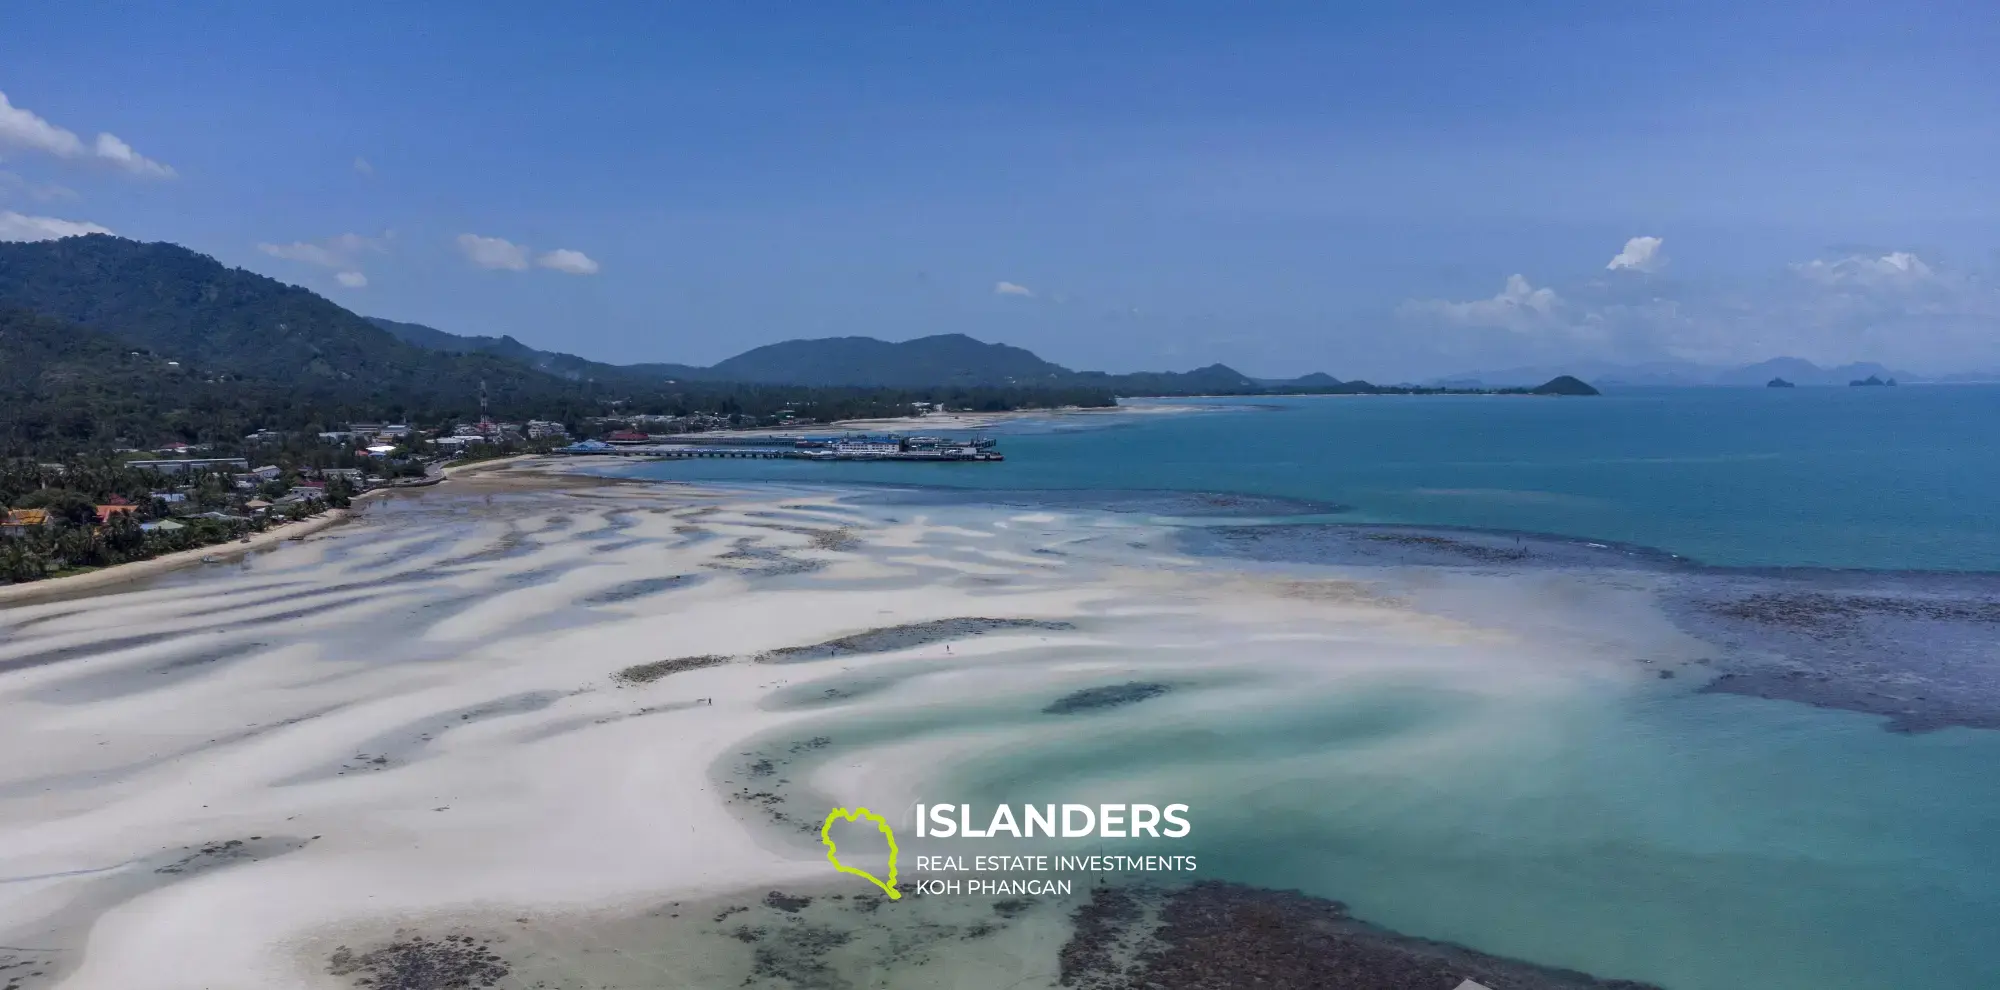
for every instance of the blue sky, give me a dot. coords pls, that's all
(1389, 190)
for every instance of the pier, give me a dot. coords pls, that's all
(851, 447)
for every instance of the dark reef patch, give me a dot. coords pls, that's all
(215, 855)
(1918, 649)
(413, 962)
(1221, 936)
(1110, 696)
(630, 590)
(903, 637)
(1465, 548)
(790, 904)
(1921, 649)
(1159, 503)
(747, 556)
(646, 673)
(1373, 545)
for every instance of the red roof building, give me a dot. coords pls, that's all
(105, 512)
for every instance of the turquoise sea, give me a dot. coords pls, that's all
(1884, 478)
(1696, 841)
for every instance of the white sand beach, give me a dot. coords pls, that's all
(75, 584)
(214, 777)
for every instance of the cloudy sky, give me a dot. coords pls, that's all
(1388, 190)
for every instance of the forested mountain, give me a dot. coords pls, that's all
(551, 362)
(63, 386)
(188, 307)
(951, 359)
(110, 342)
(66, 388)
(861, 362)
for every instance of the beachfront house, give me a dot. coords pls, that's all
(105, 513)
(25, 522)
(184, 465)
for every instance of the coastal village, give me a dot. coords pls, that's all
(59, 518)
(67, 517)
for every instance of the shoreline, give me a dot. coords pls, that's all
(139, 570)
(136, 570)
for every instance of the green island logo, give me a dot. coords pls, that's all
(833, 852)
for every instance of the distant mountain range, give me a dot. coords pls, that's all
(949, 359)
(1798, 371)
(104, 338)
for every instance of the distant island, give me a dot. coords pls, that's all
(1676, 373)
(1779, 383)
(1564, 385)
(1871, 381)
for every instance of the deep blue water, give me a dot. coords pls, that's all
(1880, 478)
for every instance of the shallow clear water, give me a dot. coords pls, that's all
(1700, 842)
(1891, 478)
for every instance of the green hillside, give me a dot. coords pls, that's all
(188, 307)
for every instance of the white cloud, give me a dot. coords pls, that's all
(1518, 306)
(1888, 306)
(1893, 270)
(121, 154)
(338, 251)
(362, 166)
(342, 252)
(1641, 254)
(566, 260)
(312, 254)
(21, 128)
(16, 227)
(1010, 289)
(494, 252)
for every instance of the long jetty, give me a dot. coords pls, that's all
(876, 447)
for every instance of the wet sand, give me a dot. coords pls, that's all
(529, 730)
